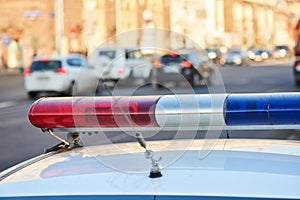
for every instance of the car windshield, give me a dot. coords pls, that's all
(51, 65)
(111, 54)
(74, 62)
(133, 54)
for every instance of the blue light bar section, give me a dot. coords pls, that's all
(285, 108)
(246, 109)
(262, 109)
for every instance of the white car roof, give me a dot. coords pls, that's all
(235, 168)
(118, 47)
(57, 57)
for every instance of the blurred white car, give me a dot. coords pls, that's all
(119, 63)
(234, 57)
(67, 75)
(181, 168)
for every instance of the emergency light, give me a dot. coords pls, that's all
(169, 112)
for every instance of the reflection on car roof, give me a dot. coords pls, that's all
(237, 165)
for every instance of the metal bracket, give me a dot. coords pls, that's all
(57, 137)
(72, 138)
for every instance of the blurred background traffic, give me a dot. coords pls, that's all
(259, 31)
(140, 47)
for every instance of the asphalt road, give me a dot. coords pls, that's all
(20, 140)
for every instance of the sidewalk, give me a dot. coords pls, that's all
(11, 73)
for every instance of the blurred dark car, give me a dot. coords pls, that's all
(296, 71)
(282, 51)
(234, 57)
(186, 65)
(202, 64)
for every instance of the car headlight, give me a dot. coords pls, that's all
(212, 55)
(282, 53)
(251, 55)
(237, 61)
(264, 55)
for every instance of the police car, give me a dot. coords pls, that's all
(181, 168)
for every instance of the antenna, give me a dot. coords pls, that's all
(155, 171)
(141, 140)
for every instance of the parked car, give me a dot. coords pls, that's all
(191, 66)
(177, 169)
(67, 75)
(234, 57)
(119, 63)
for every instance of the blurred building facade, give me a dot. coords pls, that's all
(62, 26)
(33, 24)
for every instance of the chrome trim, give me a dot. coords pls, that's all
(6, 173)
(183, 128)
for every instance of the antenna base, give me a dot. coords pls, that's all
(155, 174)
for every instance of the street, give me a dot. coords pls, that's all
(20, 140)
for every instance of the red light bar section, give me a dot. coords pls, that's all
(76, 112)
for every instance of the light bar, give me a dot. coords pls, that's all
(169, 112)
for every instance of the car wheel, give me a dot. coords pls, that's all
(32, 95)
(156, 85)
(100, 86)
(72, 90)
(153, 80)
(196, 80)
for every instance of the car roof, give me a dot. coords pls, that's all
(234, 168)
(57, 57)
(117, 48)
